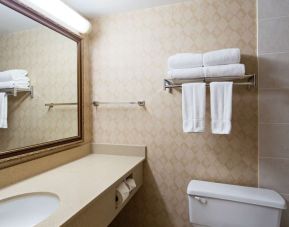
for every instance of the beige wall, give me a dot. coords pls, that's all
(129, 53)
(273, 97)
(51, 60)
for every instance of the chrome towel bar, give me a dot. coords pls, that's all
(51, 105)
(247, 80)
(15, 91)
(139, 103)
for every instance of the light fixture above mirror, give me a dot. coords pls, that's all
(61, 13)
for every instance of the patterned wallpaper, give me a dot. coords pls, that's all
(51, 60)
(129, 55)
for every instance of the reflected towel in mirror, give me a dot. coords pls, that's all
(3, 110)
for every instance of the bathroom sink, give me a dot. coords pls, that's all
(28, 209)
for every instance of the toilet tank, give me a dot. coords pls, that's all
(223, 205)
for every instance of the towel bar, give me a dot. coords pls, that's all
(140, 103)
(15, 91)
(51, 105)
(250, 81)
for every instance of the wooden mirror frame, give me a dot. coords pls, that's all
(19, 155)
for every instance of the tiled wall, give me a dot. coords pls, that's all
(129, 56)
(273, 51)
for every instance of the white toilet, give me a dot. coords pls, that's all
(223, 205)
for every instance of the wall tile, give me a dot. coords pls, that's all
(273, 70)
(274, 174)
(273, 8)
(273, 140)
(274, 105)
(273, 35)
(285, 214)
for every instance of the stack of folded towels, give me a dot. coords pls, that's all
(16, 78)
(219, 63)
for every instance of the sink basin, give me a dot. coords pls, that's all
(28, 209)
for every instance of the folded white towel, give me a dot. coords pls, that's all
(185, 61)
(194, 107)
(222, 57)
(225, 70)
(221, 107)
(3, 110)
(15, 75)
(14, 84)
(186, 73)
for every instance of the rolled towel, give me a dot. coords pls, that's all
(225, 70)
(222, 57)
(15, 74)
(186, 73)
(185, 61)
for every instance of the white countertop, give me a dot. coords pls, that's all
(76, 183)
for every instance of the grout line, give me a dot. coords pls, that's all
(272, 18)
(273, 157)
(273, 88)
(272, 123)
(268, 123)
(270, 53)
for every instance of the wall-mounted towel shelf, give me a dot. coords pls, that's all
(140, 103)
(51, 105)
(247, 80)
(15, 91)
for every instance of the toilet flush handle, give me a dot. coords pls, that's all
(201, 200)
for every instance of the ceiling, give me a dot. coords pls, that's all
(92, 8)
(12, 21)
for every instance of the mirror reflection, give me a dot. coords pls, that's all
(38, 68)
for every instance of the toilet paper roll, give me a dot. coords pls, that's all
(122, 193)
(130, 183)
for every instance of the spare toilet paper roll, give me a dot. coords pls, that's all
(130, 183)
(122, 192)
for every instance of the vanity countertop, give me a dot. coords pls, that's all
(77, 183)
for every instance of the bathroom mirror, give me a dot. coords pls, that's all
(40, 83)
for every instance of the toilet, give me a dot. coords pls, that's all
(224, 205)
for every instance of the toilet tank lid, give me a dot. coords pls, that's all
(249, 195)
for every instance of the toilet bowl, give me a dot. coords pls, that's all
(223, 205)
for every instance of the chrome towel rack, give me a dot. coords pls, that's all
(139, 103)
(246, 80)
(51, 105)
(14, 91)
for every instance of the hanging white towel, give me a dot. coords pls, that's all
(185, 61)
(3, 110)
(221, 107)
(222, 57)
(194, 107)
(192, 73)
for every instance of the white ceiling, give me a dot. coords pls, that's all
(12, 21)
(91, 8)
